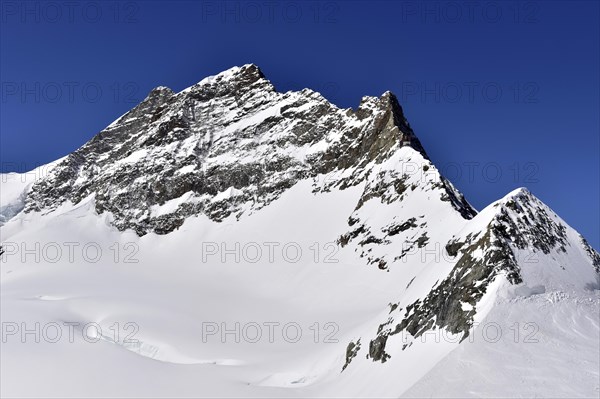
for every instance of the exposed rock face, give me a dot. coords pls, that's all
(595, 256)
(227, 145)
(351, 352)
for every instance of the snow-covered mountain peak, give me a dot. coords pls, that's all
(233, 73)
(390, 251)
(234, 79)
(231, 130)
(160, 89)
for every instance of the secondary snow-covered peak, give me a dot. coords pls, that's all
(515, 201)
(517, 192)
(515, 248)
(541, 248)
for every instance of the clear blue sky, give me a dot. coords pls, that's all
(502, 94)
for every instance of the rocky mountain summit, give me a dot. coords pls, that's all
(230, 144)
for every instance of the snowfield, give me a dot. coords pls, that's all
(178, 297)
